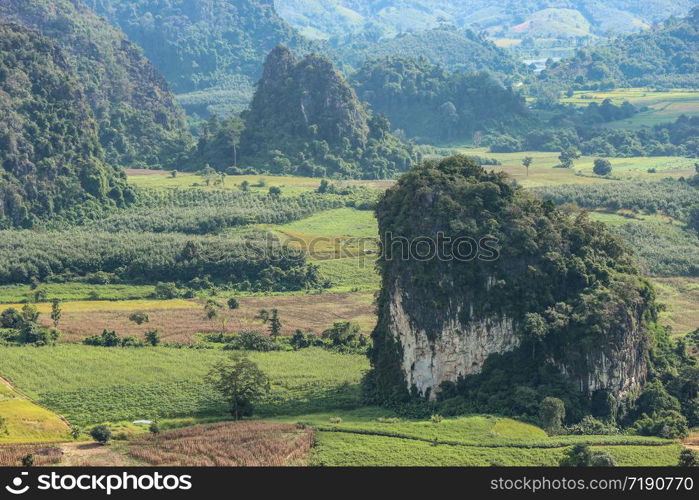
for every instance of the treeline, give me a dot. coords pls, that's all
(450, 106)
(255, 259)
(207, 212)
(679, 138)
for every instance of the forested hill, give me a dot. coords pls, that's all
(305, 118)
(451, 47)
(328, 18)
(451, 106)
(50, 157)
(665, 56)
(140, 123)
(198, 44)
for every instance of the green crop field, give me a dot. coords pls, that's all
(662, 106)
(371, 437)
(345, 449)
(92, 384)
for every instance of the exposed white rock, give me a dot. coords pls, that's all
(460, 349)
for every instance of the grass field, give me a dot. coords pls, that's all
(91, 384)
(27, 422)
(662, 106)
(342, 243)
(290, 185)
(681, 297)
(543, 173)
(75, 292)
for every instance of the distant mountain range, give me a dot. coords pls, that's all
(328, 18)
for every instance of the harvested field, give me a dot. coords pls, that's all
(184, 319)
(44, 454)
(228, 444)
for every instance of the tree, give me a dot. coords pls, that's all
(241, 382)
(139, 318)
(233, 304)
(56, 312)
(208, 174)
(552, 412)
(342, 333)
(28, 460)
(527, 162)
(153, 337)
(101, 434)
(275, 324)
(75, 432)
(688, 458)
(30, 314)
(694, 218)
(275, 191)
(567, 157)
(213, 312)
(11, 318)
(602, 166)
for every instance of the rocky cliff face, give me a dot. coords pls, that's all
(460, 350)
(557, 294)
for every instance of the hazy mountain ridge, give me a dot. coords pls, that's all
(325, 19)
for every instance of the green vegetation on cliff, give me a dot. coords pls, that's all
(305, 119)
(568, 287)
(139, 122)
(451, 106)
(50, 157)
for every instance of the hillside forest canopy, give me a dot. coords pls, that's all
(349, 233)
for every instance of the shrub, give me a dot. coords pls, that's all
(602, 167)
(668, 424)
(590, 426)
(688, 458)
(101, 434)
(250, 340)
(153, 337)
(165, 291)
